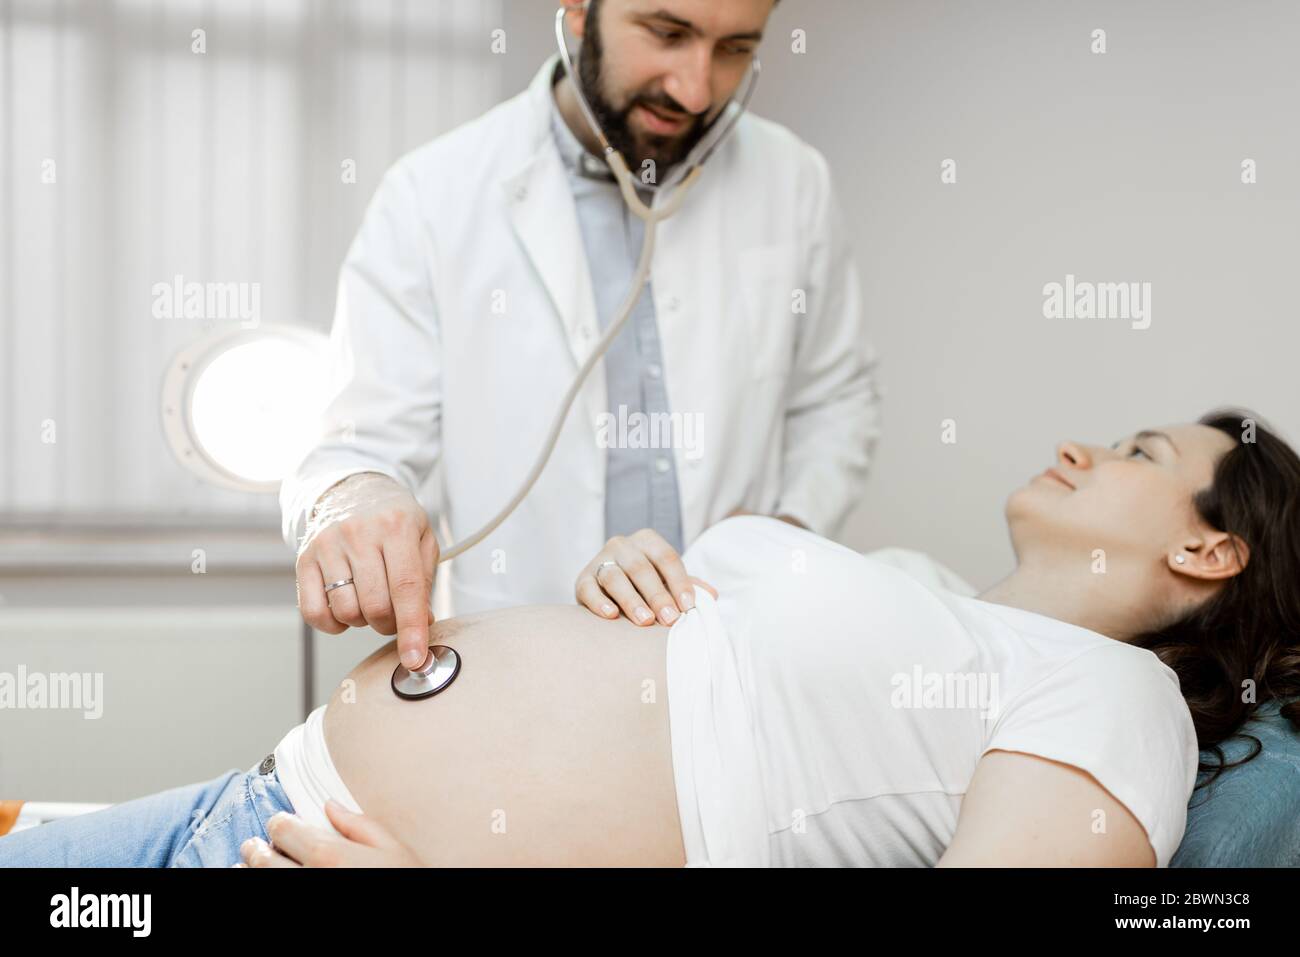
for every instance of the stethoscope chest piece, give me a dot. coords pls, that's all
(440, 669)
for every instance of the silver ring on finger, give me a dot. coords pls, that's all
(596, 573)
(339, 584)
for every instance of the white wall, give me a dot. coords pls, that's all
(1119, 167)
(224, 165)
(220, 166)
(1116, 167)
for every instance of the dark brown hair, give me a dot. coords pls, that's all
(1250, 629)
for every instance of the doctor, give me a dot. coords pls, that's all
(488, 262)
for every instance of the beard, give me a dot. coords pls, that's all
(663, 150)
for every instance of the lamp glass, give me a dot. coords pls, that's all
(255, 408)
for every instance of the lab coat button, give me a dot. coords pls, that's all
(521, 193)
(673, 303)
(662, 464)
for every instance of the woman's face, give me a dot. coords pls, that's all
(1132, 498)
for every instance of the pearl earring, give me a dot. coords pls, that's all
(1179, 559)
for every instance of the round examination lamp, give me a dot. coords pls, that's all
(241, 407)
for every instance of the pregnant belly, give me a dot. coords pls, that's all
(550, 748)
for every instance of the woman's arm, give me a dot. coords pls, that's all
(1022, 810)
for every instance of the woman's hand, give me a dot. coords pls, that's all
(644, 573)
(364, 843)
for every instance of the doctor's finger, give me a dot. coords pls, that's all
(645, 576)
(409, 589)
(311, 600)
(669, 565)
(619, 587)
(369, 570)
(429, 552)
(335, 567)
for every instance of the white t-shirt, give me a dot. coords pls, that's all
(830, 709)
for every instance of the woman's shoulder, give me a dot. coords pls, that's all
(1084, 656)
(924, 568)
(748, 531)
(1126, 667)
(1116, 712)
(756, 537)
(764, 553)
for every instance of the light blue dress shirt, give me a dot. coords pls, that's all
(640, 483)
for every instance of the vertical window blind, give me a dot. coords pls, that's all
(219, 141)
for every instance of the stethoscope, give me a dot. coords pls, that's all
(442, 664)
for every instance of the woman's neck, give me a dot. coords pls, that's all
(1107, 603)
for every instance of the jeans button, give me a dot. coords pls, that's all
(267, 765)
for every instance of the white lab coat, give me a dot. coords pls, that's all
(465, 307)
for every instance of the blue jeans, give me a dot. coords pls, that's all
(199, 825)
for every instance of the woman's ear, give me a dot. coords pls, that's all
(1212, 557)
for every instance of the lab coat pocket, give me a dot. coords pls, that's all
(767, 302)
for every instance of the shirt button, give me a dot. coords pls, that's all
(662, 464)
(521, 193)
(672, 303)
(654, 370)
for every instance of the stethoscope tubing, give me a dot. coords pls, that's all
(403, 679)
(652, 216)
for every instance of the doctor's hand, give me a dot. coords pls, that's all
(372, 530)
(295, 843)
(639, 572)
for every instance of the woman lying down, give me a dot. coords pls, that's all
(824, 709)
